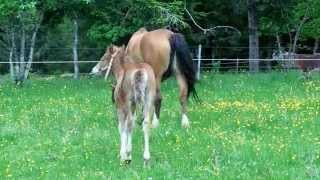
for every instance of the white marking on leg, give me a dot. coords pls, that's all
(146, 131)
(155, 121)
(123, 139)
(129, 146)
(185, 121)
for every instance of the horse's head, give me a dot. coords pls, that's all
(104, 62)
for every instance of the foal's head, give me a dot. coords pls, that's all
(104, 62)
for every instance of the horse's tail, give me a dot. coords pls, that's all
(179, 48)
(140, 86)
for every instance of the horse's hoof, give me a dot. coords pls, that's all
(127, 161)
(155, 122)
(185, 125)
(185, 121)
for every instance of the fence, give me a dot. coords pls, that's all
(89, 56)
(215, 65)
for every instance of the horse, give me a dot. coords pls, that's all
(308, 63)
(135, 87)
(167, 53)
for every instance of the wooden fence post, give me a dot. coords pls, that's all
(237, 65)
(199, 61)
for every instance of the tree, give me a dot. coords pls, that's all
(20, 18)
(310, 11)
(253, 36)
(114, 21)
(276, 19)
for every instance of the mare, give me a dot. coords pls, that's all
(167, 53)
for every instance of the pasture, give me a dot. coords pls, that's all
(248, 127)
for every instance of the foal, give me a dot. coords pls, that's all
(135, 87)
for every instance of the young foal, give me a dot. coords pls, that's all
(135, 87)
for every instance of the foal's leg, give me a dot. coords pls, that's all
(183, 87)
(123, 140)
(130, 124)
(123, 130)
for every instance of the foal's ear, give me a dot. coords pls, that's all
(108, 47)
(111, 49)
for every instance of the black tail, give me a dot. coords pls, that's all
(185, 64)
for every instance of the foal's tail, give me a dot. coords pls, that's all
(179, 48)
(140, 86)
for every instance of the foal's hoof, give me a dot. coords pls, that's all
(126, 162)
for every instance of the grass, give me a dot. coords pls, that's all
(262, 126)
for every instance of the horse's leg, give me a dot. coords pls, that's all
(129, 131)
(123, 135)
(130, 124)
(123, 118)
(146, 130)
(157, 105)
(183, 87)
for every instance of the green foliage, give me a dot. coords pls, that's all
(276, 17)
(114, 20)
(312, 10)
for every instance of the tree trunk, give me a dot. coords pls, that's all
(316, 45)
(12, 49)
(16, 64)
(75, 49)
(298, 30)
(32, 44)
(22, 54)
(253, 36)
(290, 43)
(279, 43)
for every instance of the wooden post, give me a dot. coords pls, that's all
(75, 49)
(199, 61)
(253, 36)
(12, 49)
(316, 45)
(237, 65)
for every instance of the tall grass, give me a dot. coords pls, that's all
(264, 126)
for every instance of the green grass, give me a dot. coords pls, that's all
(262, 126)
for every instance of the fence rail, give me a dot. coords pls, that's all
(195, 59)
(203, 64)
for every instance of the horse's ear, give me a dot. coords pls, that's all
(111, 49)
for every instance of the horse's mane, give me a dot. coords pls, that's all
(121, 55)
(141, 30)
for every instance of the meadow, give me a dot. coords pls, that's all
(260, 126)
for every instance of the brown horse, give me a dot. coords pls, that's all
(308, 63)
(135, 87)
(167, 53)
